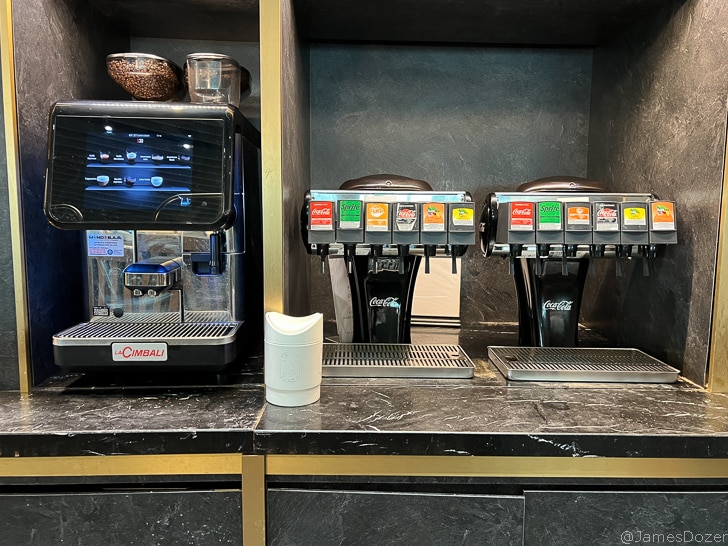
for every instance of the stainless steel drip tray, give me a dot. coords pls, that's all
(103, 333)
(580, 364)
(373, 360)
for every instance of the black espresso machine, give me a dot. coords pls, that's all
(167, 199)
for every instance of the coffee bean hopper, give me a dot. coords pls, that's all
(552, 230)
(374, 232)
(166, 198)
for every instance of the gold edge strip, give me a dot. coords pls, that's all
(485, 466)
(122, 465)
(271, 146)
(254, 512)
(12, 165)
(718, 359)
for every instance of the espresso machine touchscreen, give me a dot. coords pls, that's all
(131, 169)
(166, 197)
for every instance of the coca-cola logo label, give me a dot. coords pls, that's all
(321, 212)
(563, 305)
(384, 302)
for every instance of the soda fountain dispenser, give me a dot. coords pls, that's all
(383, 226)
(551, 230)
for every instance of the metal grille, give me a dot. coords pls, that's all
(395, 360)
(103, 333)
(170, 316)
(580, 364)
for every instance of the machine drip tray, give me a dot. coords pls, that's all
(396, 360)
(580, 364)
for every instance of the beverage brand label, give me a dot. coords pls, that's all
(384, 302)
(406, 216)
(522, 216)
(104, 244)
(634, 216)
(563, 305)
(377, 216)
(578, 215)
(321, 215)
(663, 216)
(549, 216)
(606, 217)
(134, 352)
(350, 214)
(463, 216)
(433, 217)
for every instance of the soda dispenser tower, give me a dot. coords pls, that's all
(552, 229)
(383, 226)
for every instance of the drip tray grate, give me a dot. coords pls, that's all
(580, 364)
(396, 360)
(180, 333)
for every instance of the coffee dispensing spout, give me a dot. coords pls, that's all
(153, 276)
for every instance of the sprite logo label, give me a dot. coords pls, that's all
(350, 214)
(549, 215)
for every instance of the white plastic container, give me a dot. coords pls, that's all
(292, 359)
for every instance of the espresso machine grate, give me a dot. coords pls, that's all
(580, 364)
(102, 332)
(396, 360)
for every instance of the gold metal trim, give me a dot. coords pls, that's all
(492, 467)
(271, 147)
(718, 358)
(16, 225)
(254, 508)
(122, 465)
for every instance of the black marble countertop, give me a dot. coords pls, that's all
(480, 416)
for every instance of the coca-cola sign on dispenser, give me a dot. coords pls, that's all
(551, 230)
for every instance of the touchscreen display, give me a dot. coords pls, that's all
(136, 170)
(129, 172)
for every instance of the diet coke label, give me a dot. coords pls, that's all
(606, 217)
(563, 305)
(384, 302)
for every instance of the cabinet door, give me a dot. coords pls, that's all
(175, 518)
(322, 518)
(608, 518)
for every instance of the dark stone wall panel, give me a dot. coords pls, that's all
(321, 518)
(160, 518)
(608, 518)
(462, 118)
(658, 124)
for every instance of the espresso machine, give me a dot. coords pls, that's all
(552, 230)
(166, 197)
(380, 228)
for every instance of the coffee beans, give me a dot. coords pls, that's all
(144, 76)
